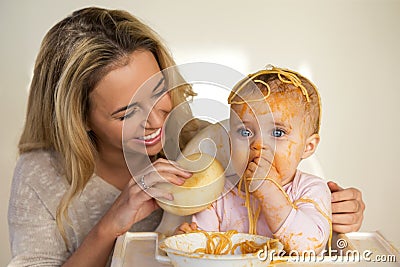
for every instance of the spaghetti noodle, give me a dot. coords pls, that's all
(220, 243)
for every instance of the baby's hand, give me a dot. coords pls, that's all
(261, 167)
(185, 228)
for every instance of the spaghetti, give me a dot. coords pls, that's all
(284, 75)
(220, 243)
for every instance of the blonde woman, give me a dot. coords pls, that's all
(72, 193)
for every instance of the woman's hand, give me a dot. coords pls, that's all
(185, 228)
(347, 208)
(135, 202)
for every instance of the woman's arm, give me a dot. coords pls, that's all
(35, 238)
(95, 250)
(131, 206)
(347, 208)
(35, 194)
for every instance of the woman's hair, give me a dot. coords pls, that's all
(74, 55)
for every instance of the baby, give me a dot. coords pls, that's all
(274, 124)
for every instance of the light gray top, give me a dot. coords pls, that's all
(36, 191)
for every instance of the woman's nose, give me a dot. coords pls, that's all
(155, 119)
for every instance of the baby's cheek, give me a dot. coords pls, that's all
(286, 163)
(239, 157)
(281, 163)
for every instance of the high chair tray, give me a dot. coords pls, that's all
(140, 249)
(137, 249)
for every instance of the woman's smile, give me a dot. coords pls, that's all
(151, 139)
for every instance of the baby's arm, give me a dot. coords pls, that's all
(222, 214)
(208, 219)
(276, 206)
(304, 227)
(300, 225)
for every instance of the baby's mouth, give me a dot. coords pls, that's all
(252, 157)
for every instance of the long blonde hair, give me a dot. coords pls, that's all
(74, 55)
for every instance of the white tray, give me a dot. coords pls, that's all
(137, 249)
(140, 249)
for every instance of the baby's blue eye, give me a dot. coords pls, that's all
(245, 132)
(278, 133)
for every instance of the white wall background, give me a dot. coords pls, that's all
(351, 49)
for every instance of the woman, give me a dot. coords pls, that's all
(72, 192)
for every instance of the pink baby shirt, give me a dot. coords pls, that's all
(305, 228)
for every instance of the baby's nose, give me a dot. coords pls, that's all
(257, 145)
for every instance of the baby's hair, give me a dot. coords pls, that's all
(275, 80)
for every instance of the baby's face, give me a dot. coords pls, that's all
(276, 124)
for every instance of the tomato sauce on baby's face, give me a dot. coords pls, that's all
(277, 124)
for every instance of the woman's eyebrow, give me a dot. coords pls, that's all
(158, 84)
(136, 103)
(125, 108)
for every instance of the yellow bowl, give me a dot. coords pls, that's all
(200, 190)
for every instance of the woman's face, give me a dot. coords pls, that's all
(111, 107)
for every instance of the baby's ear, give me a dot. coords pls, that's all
(311, 145)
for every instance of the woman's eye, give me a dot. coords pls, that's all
(278, 133)
(245, 132)
(128, 115)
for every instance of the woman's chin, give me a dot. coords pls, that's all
(153, 150)
(133, 147)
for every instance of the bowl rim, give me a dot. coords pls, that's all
(164, 247)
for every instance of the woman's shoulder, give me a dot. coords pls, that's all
(39, 169)
(37, 179)
(36, 156)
